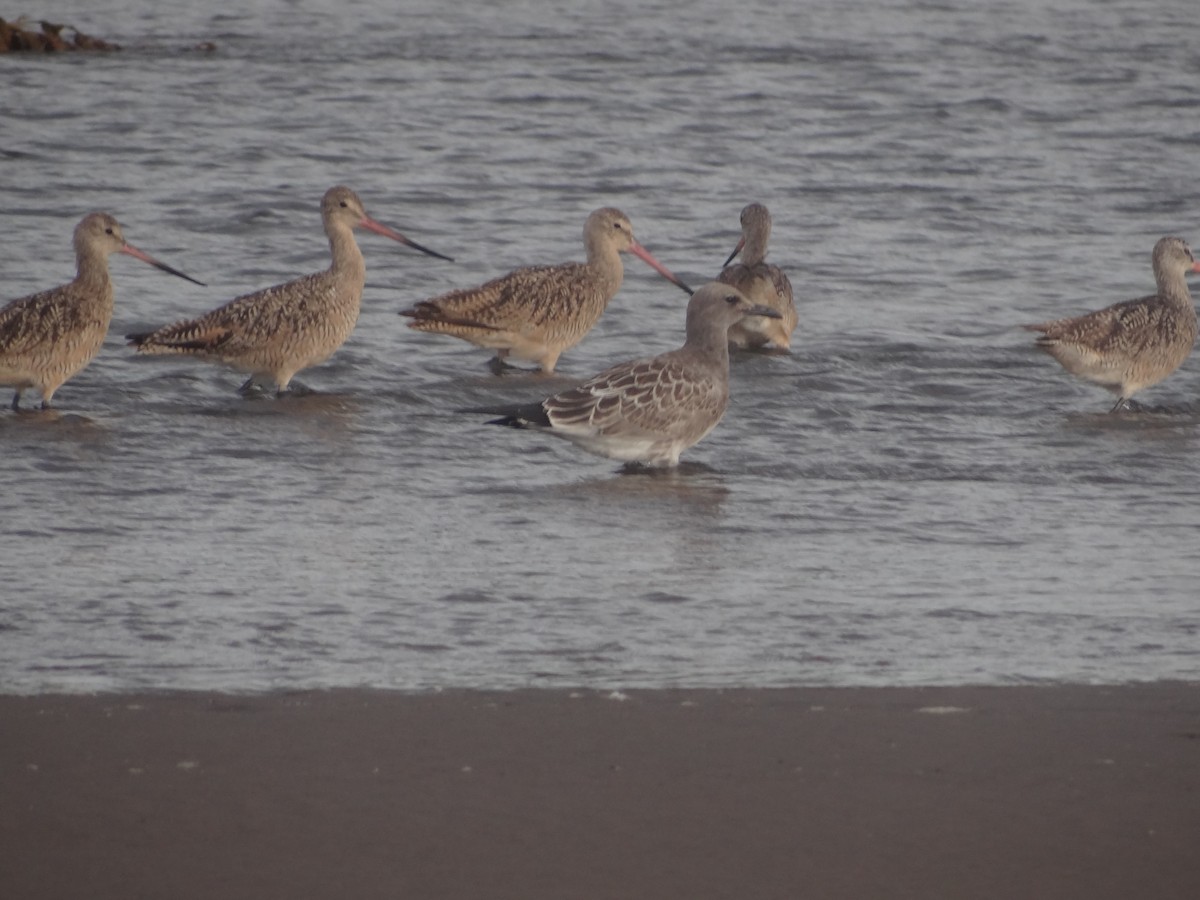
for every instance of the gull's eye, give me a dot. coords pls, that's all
(108, 230)
(732, 299)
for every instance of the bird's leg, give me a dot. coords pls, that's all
(16, 403)
(245, 388)
(294, 389)
(1120, 405)
(497, 363)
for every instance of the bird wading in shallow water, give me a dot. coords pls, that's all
(1132, 345)
(48, 337)
(277, 332)
(648, 411)
(536, 313)
(762, 283)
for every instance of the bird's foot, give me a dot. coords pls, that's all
(498, 366)
(294, 389)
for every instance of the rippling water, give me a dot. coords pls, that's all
(912, 496)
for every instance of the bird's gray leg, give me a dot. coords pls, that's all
(498, 363)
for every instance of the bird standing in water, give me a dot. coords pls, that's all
(762, 283)
(648, 411)
(48, 337)
(537, 312)
(277, 332)
(1131, 345)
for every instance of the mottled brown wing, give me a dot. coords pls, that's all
(1120, 328)
(737, 275)
(36, 320)
(653, 396)
(245, 323)
(522, 300)
(783, 286)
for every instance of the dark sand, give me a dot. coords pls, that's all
(1038, 792)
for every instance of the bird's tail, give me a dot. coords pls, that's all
(524, 415)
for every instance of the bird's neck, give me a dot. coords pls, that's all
(605, 261)
(710, 340)
(755, 250)
(91, 269)
(1173, 287)
(347, 257)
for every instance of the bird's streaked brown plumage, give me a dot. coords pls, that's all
(277, 332)
(650, 410)
(48, 337)
(536, 313)
(762, 283)
(1131, 345)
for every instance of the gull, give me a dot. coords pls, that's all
(649, 411)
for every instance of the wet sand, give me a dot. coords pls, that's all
(1018, 792)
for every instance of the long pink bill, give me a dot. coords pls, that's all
(133, 251)
(371, 225)
(736, 251)
(643, 254)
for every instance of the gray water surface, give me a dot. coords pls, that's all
(912, 496)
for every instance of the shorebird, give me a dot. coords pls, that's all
(1135, 344)
(762, 283)
(537, 312)
(649, 411)
(276, 332)
(48, 337)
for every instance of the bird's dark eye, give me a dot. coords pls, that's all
(342, 204)
(108, 231)
(732, 299)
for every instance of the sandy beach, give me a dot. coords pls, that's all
(1016, 792)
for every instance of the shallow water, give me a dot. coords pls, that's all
(912, 496)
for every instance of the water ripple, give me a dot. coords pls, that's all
(912, 495)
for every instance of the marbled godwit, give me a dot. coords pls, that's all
(536, 313)
(762, 283)
(276, 332)
(650, 410)
(47, 337)
(1131, 345)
